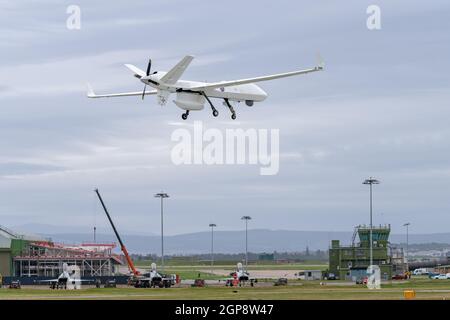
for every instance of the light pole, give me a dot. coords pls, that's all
(407, 239)
(162, 195)
(370, 182)
(246, 219)
(212, 225)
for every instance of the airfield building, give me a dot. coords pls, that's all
(34, 256)
(351, 262)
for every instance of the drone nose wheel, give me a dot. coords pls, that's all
(184, 116)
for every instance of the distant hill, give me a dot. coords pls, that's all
(260, 240)
(224, 241)
(41, 228)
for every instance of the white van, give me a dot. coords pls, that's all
(421, 271)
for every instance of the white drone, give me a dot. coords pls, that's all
(192, 95)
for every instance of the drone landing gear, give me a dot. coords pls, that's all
(233, 113)
(184, 116)
(214, 110)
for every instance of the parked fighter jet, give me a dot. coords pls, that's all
(155, 279)
(68, 279)
(240, 277)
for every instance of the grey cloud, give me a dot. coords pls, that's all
(380, 108)
(19, 168)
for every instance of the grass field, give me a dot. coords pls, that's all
(425, 289)
(232, 264)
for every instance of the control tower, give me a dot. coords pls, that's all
(351, 262)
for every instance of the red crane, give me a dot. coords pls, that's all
(122, 246)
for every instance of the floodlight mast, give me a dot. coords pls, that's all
(371, 181)
(212, 226)
(246, 219)
(407, 240)
(162, 196)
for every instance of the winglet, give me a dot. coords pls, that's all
(320, 62)
(90, 91)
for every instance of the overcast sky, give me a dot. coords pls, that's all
(380, 108)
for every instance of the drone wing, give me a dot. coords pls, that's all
(222, 84)
(92, 94)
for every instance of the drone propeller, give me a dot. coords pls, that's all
(149, 66)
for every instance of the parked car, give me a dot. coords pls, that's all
(331, 276)
(15, 285)
(110, 283)
(362, 280)
(281, 282)
(421, 271)
(200, 283)
(440, 276)
(399, 277)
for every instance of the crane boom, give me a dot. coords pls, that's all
(122, 246)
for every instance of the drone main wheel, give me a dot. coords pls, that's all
(233, 116)
(215, 113)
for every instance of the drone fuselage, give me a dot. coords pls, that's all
(194, 100)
